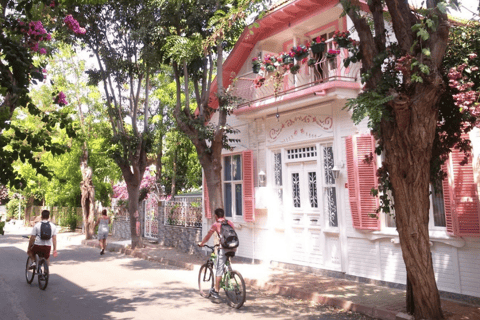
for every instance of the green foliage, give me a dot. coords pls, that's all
(13, 207)
(68, 218)
(2, 225)
(19, 68)
(369, 104)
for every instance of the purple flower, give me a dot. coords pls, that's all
(61, 99)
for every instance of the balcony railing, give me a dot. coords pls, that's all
(322, 71)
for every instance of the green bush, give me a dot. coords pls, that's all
(68, 218)
(12, 209)
(2, 224)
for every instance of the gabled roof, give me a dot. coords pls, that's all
(282, 16)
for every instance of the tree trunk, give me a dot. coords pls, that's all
(133, 206)
(213, 177)
(158, 175)
(28, 209)
(88, 196)
(174, 174)
(408, 153)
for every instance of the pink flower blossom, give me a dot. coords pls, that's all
(61, 99)
(73, 25)
(52, 4)
(472, 56)
(43, 51)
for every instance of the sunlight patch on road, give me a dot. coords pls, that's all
(140, 284)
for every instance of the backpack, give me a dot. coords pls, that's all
(45, 231)
(228, 236)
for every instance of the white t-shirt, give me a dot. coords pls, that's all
(36, 232)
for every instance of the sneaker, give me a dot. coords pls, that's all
(214, 294)
(33, 265)
(102, 252)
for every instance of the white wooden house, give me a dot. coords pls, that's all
(301, 138)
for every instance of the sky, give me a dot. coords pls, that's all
(467, 8)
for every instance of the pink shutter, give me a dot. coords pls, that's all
(362, 177)
(353, 187)
(448, 199)
(248, 186)
(206, 200)
(464, 197)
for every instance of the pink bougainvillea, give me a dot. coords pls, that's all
(60, 99)
(73, 25)
(467, 98)
(34, 34)
(147, 190)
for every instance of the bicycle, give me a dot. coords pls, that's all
(232, 281)
(41, 269)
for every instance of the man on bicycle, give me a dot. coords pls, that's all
(36, 245)
(221, 254)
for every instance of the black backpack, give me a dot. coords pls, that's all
(228, 236)
(45, 231)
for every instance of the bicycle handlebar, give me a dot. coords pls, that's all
(210, 247)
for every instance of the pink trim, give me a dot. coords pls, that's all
(293, 13)
(287, 44)
(298, 94)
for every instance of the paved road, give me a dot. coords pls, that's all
(85, 285)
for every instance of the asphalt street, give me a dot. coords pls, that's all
(85, 285)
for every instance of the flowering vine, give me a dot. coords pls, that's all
(467, 98)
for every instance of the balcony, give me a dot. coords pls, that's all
(326, 73)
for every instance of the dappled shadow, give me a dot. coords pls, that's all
(131, 295)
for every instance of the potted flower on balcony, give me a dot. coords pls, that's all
(342, 38)
(258, 82)
(270, 63)
(300, 52)
(318, 45)
(294, 69)
(311, 62)
(256, 65)
(287, 58)
(332, 53)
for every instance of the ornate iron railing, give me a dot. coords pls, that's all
(326, 68)
(186, 212)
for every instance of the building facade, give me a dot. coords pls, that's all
(301, 162)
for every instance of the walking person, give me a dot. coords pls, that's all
(102, 222)
(42, 238)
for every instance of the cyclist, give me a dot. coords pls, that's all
(37, 245)
(221, 257)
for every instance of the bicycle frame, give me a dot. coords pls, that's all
(226, 271)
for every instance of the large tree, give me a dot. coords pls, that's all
(198, 33)
(25, 35)
(118, 35)
(415, 120)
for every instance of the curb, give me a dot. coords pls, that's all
(282, 290)
(292, 292)
(139, 254)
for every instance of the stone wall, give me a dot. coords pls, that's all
(182, 238)
(121, 228)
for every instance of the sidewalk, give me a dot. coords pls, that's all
(371, 300)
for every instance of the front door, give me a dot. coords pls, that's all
(304, 206)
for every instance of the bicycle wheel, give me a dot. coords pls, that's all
(205, 280)
(42, 274)
(29, 273)
(235, 289)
